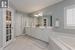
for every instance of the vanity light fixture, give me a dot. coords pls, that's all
(40, 14)
(36, 15)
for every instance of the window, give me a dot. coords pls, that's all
(70, 17)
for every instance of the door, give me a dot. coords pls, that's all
(18, 25)
(8, 31)
(9, 25)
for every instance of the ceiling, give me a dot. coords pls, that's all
(29, 6)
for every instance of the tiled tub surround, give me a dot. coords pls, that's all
(62, 42)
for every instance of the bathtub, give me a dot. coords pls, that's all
(62, 42)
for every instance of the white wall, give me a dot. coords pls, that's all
(57, 12)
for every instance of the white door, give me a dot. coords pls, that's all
(18, 25)
(8, 31)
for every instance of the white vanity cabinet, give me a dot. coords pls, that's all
(6, 26)
(39, 33)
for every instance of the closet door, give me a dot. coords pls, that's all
(18, 25)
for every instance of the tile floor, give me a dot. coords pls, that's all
(27, 43)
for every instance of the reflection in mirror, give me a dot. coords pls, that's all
(44, 21)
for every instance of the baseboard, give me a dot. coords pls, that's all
(21, 35)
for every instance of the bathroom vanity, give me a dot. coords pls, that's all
(39, 32)
(41, 28)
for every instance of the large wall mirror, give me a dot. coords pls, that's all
(44, 21)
